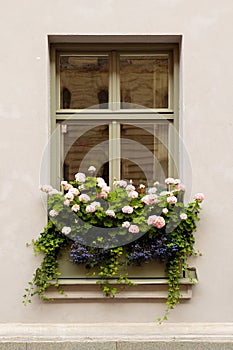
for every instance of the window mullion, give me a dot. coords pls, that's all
(114, 151)
(114, 83)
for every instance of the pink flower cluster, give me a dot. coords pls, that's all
(131, 228)
(156, 221)
(110, 213)
(149, 199)
(199, 197)
(127, 209)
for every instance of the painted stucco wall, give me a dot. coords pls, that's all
(206, 129)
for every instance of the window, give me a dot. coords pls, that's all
(115, 107)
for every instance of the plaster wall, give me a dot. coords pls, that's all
(206, 128)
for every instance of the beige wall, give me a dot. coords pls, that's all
(206, 128)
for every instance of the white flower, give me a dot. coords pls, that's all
(63, 183)
(66, 230)
(133, 194)
(171, 199)
(100, 182)
(91, 169)
(183, 216)
(169, 181)
(199, 197)
(130, 187)
(46, 188)
(142, 186)
(120, 183)
(165, 193)
(80, 177)
(74, 191)
(96, 204)
(54, 191)
(67, 202)
(126, 224)
(90, 209)
(177, 181)
(152, 190)
(75, 208)
(106, 189)
(69, 196)
(110, 213)
(133, 229)
(53, 213)
(156, 183)
(127, 209)
(165, 211)
(84, 197)
(67, 187)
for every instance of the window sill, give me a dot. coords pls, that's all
(156, 288)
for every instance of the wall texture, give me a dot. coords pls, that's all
(206, 128)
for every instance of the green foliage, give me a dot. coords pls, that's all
(95, 218)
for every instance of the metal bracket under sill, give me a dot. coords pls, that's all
(142, 289)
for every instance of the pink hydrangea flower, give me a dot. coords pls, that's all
(157, 221)
(110, 213)
(152, 190)
(74, 191)
(46, 188)
(149, 198)
(84, 197)
(152, 220)
(103, 194)
(75, 207)
(177, 181)
(170, 181)
(90, 208)
(133, 229)
(91, 169)
(80, 177)
(127, 209)
(133, 194)
(160, 222)
(66, 230)
(53, 213)
(67, 202)
(180, 187)
(183, 216)
(130, 187)
(171, 199)
(126, 224)
(120, 183)
(106, 189)
(67, 187)
(100, 182)
(69, 196)
(199, 197)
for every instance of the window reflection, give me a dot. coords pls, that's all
(144, 81)
(84, 82)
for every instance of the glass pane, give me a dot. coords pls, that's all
(84, 81)
(144, 81)
(144, 153)
(85, 146)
